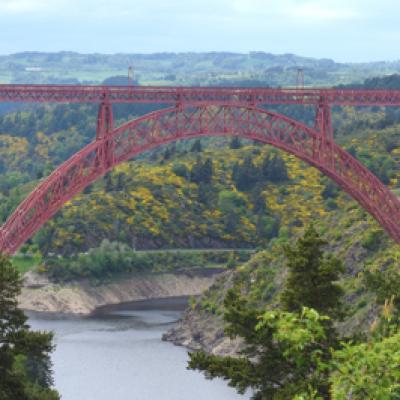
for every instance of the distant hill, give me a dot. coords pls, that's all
(212, 68)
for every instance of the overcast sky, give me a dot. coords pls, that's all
(345, 30)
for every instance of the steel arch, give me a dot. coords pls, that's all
(114, 146)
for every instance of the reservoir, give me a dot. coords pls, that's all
(118, 354)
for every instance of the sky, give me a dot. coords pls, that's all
(344, 30)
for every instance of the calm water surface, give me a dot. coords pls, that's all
(118, 355)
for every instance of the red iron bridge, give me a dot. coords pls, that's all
(196, 112)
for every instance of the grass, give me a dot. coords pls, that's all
(25, 263)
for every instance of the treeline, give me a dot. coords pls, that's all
(111, 259)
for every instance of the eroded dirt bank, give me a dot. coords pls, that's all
(83, 297)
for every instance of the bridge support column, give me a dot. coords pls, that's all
(105, 155)
(323, 124)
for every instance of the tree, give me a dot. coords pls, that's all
(232, 204)
(283, 356)
(367, 370)
(202, 172)
(274, 169)
(25, 366)
(180, 170)
(235, 143)
(385, 285)
(196, 147)
(312, 278)
(287, 352)
(370, 370)
(245, 175)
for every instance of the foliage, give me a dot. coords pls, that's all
(286, 353)
(25, 366)
(372, 239)
(112, 258)
(274, 169)
(235, 143)
(312, 278)
(245, 174)
(367, 370)
(201, 172)
(24, 263)
(385, 284)
(296, 353)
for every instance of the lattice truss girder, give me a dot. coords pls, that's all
(199, 95)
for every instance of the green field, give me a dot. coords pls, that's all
(25, 263)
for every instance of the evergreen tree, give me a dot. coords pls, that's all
(274, 168)
(196, 147)
(287, 353)
(207, 171)
(25, 366)
(202, 172)
(312, 279)
(235, 143)
(245, 175)
(180, 170)
(283, 356)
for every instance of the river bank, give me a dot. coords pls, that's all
(83, 297)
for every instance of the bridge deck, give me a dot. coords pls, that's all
(196, 95)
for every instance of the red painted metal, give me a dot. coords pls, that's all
(198, 112)
(196, 95)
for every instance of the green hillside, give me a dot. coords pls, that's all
(215, 68)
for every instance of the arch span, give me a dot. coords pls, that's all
(183, 122)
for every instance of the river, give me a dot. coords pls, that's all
(118, 354)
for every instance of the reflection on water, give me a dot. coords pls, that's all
(118, 354)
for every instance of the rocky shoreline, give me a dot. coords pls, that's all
(84, 298)
(196, 330)
(202, 330)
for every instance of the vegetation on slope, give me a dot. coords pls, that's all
(294, 351)
(213, 193)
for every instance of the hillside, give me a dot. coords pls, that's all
(213, 68)
(230, 193)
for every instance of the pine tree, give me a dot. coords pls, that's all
(245, 175)
(235, 143)
(312, 279)
(202, 172)
(274, 168)
(287, 353)
(25, 366)
(196, 147)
